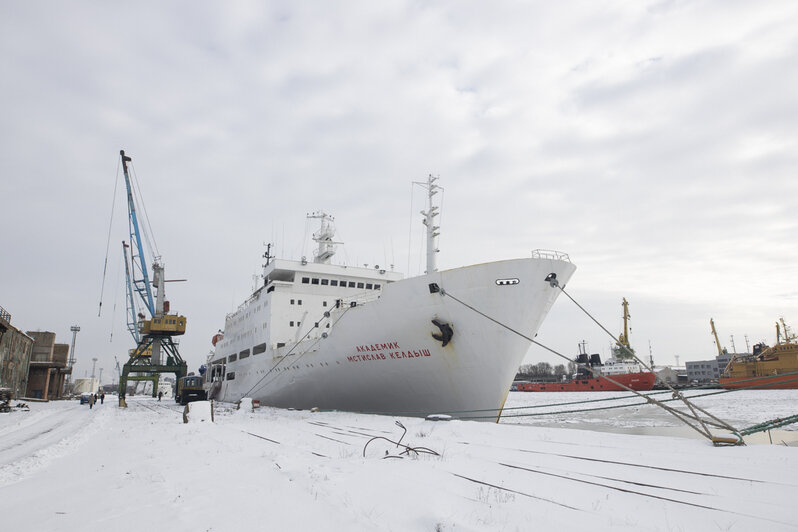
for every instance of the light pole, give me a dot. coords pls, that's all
(75, 329)
(101, 376)
(93, 364)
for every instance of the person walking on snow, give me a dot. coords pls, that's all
(91, 400)
(102, 397)
(160, 394)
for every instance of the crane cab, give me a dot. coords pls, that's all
(168, 325)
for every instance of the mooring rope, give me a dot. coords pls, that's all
(768, 425)
(695, 417)
(552, 279)
(258, 386)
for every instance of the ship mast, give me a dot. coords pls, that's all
(324, 238)
(788, 335)
(429, 221)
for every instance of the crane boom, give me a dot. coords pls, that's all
(624, 339)
(132, 320)
(715, 334)
(141, 282)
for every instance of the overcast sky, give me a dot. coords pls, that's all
(654, 142)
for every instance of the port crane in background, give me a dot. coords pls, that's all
(152, 326)
(622, 349)
(721, 350)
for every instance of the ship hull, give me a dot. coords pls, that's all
(776, 382)
(382, 356)
(637, 381)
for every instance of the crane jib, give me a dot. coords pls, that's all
(141, 283)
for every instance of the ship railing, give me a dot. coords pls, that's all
(550, 254)
(5, 315)
(365, 297)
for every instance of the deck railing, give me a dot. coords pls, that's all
(550, 254)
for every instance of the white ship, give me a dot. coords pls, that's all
(316, 334)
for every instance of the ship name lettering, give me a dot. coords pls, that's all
(409, 354)
(367, 356)
(376, 347)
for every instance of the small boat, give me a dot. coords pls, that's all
(768, 367)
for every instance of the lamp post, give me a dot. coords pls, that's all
(93, 365)
(71, 362)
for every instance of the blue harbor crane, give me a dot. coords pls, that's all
(150, 323)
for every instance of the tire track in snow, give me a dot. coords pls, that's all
(35, 443)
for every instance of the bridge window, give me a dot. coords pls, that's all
(334, 282)
(232, 358)
(360, 285)
(231, 376)
(244, 353)
(258, 349)
(325, 282)
(305, 280)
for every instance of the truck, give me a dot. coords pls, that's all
(190, 388)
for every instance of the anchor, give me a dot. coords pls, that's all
(446, 332)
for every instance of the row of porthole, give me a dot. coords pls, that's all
(291, 367)
(343, 284)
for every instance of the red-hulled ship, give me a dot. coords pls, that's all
(619, 373)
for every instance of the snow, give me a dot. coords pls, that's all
(64, 467)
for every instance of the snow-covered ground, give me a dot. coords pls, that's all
(65, 467)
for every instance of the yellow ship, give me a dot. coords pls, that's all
(768, 368)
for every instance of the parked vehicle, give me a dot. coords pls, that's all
(5, 399)
(190, 389)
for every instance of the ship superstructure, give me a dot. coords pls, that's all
(316, 334)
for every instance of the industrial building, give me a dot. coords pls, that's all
(15, 353)
(48, 366)
(705, 371)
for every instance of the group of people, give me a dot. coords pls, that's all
(93, 398)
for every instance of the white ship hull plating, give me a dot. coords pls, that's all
(380, 355)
